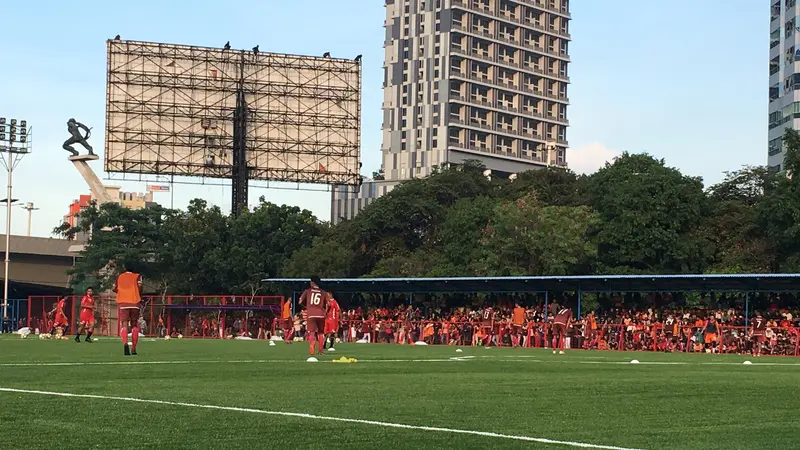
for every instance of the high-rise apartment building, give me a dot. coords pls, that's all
(465, 80)
(784, 76)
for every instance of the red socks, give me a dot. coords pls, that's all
(320, 341)
(135, 337)
(123, 333)
(312, 341)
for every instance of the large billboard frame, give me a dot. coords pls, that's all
(171, 110)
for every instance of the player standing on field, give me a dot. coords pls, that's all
(561, 323)
(332, 321)
(86, 317)
(287, 322)
(128, 288)
(488, 324)
(60, 321)
(759, 329)
(518, 320)
(316, 303)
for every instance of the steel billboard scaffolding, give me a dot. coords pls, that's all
(177, 110)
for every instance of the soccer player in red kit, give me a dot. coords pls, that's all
(561, 323)
(60, 318)
(488, 324)
(316, 303)
(332, 321)
(759, 329)
(86, 322)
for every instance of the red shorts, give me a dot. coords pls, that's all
(331, 326)
(288, 324)
(61, 320)
(314, 324)
(559, 329)
(516, 328)
(128, 316)
(87, 317)
(758, 338)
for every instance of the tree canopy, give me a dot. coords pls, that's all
(635, 215)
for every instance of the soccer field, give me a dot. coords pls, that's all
(189, 394)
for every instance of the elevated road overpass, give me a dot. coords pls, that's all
(38, 265)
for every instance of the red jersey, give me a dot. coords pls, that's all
(334, 312)
(563, 316)
(759, 326)
(87, 303)
(488, 316)
(61, 305)
(316, 301)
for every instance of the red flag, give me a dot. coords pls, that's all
(322, 168)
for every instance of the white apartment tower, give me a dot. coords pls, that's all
(784, 76)
(465, 80)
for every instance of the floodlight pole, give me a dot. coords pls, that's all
(7, 260)
(14, 155)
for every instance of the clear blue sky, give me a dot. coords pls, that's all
(685, 80)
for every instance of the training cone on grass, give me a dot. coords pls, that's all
(345, 360)
(458, 350)
(331, 349)
(747, 363)
(312, 359)
(272, 343)
(635, 361)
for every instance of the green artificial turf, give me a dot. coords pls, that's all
(668, 401)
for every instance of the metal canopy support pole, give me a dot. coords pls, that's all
(579, 303)
(746, 310)
(546, 304)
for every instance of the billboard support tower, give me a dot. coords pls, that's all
(239, 178)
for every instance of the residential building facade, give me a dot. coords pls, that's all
(784, 76)
(478, 80)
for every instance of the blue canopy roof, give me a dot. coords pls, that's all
(589, 283)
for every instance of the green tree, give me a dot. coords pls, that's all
(260, 243)
(120, 237)
(552, 186)
(779, 213)
(650, 214)
(195, 237)
(731, 222)
(526, 238)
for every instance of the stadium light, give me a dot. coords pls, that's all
(15, 140)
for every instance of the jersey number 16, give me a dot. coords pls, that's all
(316, 299)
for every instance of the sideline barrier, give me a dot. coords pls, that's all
(191, 316)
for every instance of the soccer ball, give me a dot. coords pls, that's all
(167, 337)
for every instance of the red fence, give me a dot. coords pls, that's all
(197, 316)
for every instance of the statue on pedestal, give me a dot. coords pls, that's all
(74, 127)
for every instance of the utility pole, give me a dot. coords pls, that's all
(29, 207)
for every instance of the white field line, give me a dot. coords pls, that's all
(527, 359)
(317, 417)
(652, 363)
(241, 361)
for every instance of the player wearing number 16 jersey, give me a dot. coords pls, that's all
(561, 324)
(316, 303)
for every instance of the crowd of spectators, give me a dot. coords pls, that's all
(655, 322)
(721, 327)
